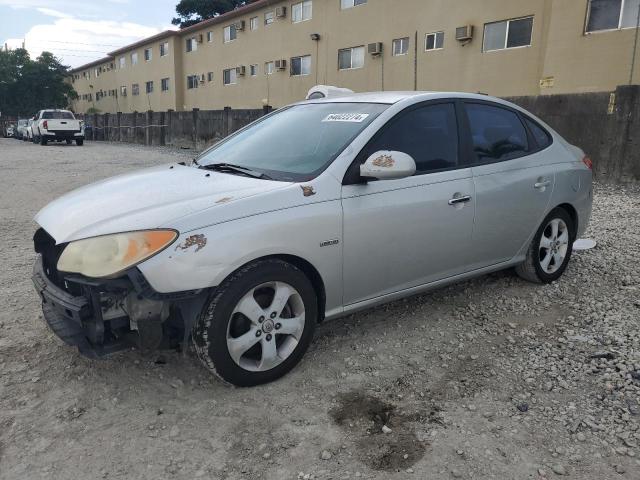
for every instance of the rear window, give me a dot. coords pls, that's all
(57, 116)
(542, 137)
(497, 133)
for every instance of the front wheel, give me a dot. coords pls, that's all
(550, 249)
(258, 323)
(79, 142)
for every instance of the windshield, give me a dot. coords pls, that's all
(296, 143)
(57, 115)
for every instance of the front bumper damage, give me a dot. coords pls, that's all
(101, 317)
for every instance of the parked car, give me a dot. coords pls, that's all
(313, 212)
(21, 128)
(28, 130)
(57, 125)
(9, 131)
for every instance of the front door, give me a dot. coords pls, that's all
(404, 233)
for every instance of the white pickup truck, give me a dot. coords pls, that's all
(57, 125)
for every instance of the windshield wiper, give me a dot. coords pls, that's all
(229, 167)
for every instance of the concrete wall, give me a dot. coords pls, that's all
(605, 125)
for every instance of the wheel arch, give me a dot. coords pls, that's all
(307, 268)
(573, 213)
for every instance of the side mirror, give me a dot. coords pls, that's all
(388, 165)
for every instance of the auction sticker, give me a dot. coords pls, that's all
(346, 117)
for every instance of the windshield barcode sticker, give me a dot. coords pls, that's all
(346, 117)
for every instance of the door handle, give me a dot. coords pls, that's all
(457, 200)
(542, 184)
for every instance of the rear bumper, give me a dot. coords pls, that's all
(74, 319)
(63, 135)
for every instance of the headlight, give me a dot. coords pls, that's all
(111, 254)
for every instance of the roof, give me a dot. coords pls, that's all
(92, 64)
(144, 41)
(395, 97)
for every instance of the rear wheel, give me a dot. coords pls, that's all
(550, 249)
(43, 140)
(258, 323)
(69, 142)
(79, 142)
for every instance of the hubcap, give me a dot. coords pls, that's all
(265, 326)
(554, 245)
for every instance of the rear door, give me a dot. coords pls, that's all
(513, 181)
(408, 232)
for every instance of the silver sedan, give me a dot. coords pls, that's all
(315, 211)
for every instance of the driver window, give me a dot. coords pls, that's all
(497, 134)
(429, 134)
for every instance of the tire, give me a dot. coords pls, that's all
(69, 142)
(79, 142)
(264, 355)
(43, 140)
(545, 263)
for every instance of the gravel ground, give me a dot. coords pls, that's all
(491, 378)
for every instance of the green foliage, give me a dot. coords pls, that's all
(92, 110)
(191, 12)
(27, 86)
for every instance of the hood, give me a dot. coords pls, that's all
(146, 199)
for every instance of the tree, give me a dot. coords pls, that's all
(27, 86)
(191, 12)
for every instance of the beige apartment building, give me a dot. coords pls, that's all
(273, 51)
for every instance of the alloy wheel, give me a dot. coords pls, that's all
(265, 326)
(554, 244)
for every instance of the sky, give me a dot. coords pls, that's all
(80, 31)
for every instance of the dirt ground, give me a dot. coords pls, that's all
(492, 378)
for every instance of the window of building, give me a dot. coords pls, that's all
(192, 44)
(209, 37)
(253, 70)
(434, 41)
(135, 89)
(210, 77)
(497, 133)
(268, 18)
(612, 14)
(351, 58)
(192, 81)
(351, 3)
(134, 58)
(429, 134)
(149, 87)
(253, 23)
(301, 65)
(508, 34)
(269, 68)
(301, 11)
(229, 76)
(147, 54)
(400, 46)
(123, 62)
(123, 91)
(95, 72)
(164, 49)
(164, 84)
(230, 33)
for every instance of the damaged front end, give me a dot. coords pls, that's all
(102, 316)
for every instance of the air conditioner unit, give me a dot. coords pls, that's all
(464, 33)
(281, 64)
(200, 38)
(241, 70)
(281, 12)
(375, 48)
(240, 25)
(201, 78)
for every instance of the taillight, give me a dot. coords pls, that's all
(587, 161)
(45, 125)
